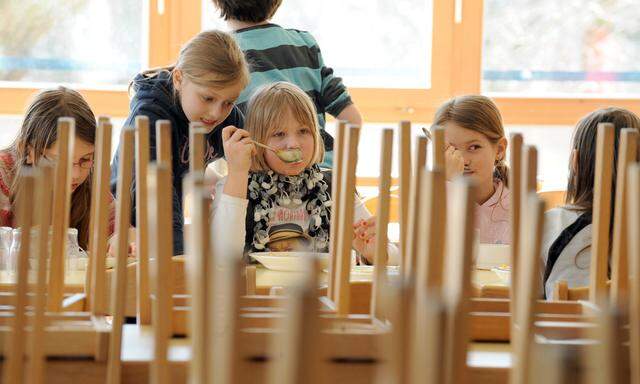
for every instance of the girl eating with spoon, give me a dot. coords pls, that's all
(273, 194)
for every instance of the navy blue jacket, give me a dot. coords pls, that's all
(154, 98)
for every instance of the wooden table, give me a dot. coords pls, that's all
(265, 280)
(488, 363)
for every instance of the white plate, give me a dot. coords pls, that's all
(288, 261)
(504, 274)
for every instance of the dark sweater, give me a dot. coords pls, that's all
(154, 98)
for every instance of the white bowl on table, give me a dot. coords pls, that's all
(288, 261)
(491, 256)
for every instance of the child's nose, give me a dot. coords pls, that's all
(292, 142)
(215, 112)
(76, 173)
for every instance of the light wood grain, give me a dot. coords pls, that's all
(163, 142)
(627, 154)
(382, 223)
(404, 167)
(44, 197)
(119, 285)
(61, 203)
(515, 198)
(199, 253)
(98, 252)
(416, 197)
(601, 213)
(458, 283)
(143, 299)
(95, 198)
(14, 359)
(529, 285)
(634, 266)
(345, 235)
(160, 241)
(197, 137)
(336, 179)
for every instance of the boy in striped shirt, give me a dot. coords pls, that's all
(278, 54)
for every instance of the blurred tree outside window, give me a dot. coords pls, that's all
(562, 47)
(90, 43)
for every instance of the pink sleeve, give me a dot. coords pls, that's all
(6, 178)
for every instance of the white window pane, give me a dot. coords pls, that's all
(567, 47)
(378, 43)
(85, 42)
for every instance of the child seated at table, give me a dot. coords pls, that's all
(476, 147)
(262, 192)
(566, 246)
(37, 139)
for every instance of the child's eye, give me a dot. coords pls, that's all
(206, 99)
(304, 131)
(474, 147)
(278, 134)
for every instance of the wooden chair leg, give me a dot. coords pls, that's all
(382, 222)
(336, 179)
(61, 203)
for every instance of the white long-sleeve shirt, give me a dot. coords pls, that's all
(229, 219)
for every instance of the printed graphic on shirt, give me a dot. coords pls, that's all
(288, 229)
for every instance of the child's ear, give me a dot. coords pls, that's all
(177, 79)
(573, 160)
(501, 149)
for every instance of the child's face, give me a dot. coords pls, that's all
(290, 135)
(207, 105)
(82, 160)
(479, 154)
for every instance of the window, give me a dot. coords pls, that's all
(91, 44)
(371, 44)
(547, 47)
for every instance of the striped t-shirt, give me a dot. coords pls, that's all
(278, 54)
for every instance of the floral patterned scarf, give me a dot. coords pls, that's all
(269, 189)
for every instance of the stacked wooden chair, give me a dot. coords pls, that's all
(49, 335)
(200, 319)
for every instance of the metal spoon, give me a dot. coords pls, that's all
(286, 155)
(426, 133)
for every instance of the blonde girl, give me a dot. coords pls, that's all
(202, 86)
(268, 204)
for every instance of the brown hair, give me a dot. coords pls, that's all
(581, 179)
(210, 59)
(253, 11)
(269, 106)
(479, 114)
(39, 131)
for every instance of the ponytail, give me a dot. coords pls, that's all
(501, 172)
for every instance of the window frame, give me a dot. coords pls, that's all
(166, 33)
(456, 69)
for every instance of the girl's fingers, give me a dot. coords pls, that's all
(228, 131)
(246, 141)
(239, 134)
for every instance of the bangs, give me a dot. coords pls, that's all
(268, 110)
